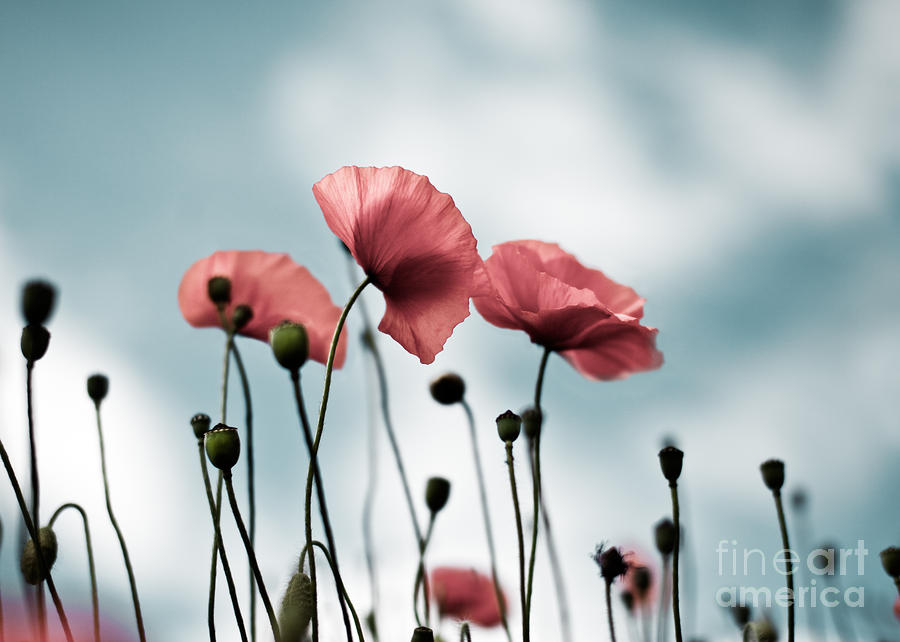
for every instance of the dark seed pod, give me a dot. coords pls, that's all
(509, 424)
(223, 446)
(760, 631)
(422, 634)
(97, 387)
(531, 422)
(670, 461)
(200, 423)
(219, 290)
(30, 564)
(35, 341)
(890, 559)
(773, 474)
(241, 316)
(437, 492)
(38, 298)
(297, 607)
(611, 562)
(665, 536)
(448, 389)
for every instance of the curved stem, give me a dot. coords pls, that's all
(251, 475)
(487, 518)
(420, 575)
(115, 524)
(32, 532)
(464, 634)
(320, 493)
(251, 555)
(663, 589)
(515, 499)
(612, 628)
(340, 585)
(35, 495)
(788, 565)
(676, 608)
(90, 557)
(215, 511)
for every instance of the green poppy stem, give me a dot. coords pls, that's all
(609, 611)
(661, 627)
(515, 499)
(464, 634)
(251, 554)
(788, 565)
(421, 579)
(32, 532)
(112, 518)
(95, 607)
(487, 518)
(340, 584)
(215, 511)
(35, 496)
(676, 520)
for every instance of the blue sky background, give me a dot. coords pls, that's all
(736, 163)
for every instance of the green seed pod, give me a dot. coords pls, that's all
(531, 422)
(437, 492)
(219, 290)
(297, 607)
(290, 345)
(241, 316)
(760, 631)
(890, 559)
(38, 298)
(448, 389)
(200, 423)
(97, 387)
(509, 424)
(670, 461)
(422, 634)
(665, 537)
(223, 446)
(30, 564)
(773, 474)
(35, 340)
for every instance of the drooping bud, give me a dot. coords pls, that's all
(628, 600)
(38, 298)
(509, 424)
(448, 389)
(665, 537)
(223, 446)
(760, 631)
(437, 492)
(642, 580)
(773, 474)
(297, 607)
(890, 559)
(97, 387)
(35, 341)
(531, 422)
(611, 562)
(670, 461)
(30, 564)
(241, 316)
(219, 290)
(200, 423)
(422, 634)
(290, 345)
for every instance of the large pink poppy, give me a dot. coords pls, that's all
(275, 288)
(414, 244)
(465, 594)
(591, 320)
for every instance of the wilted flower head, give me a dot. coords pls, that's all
(414, 244)
(611, 562)
(465, 594)
(274, 287)
(592, 321)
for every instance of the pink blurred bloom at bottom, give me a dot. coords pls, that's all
(465, 594)
(897, 608)
(18, 627)
(640, 579)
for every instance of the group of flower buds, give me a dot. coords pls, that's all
(38, 298)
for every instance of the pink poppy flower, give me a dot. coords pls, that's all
(465, 594)
(589, 319)
(275, 288)
(414, 244)
(897, 608)
(640, 579)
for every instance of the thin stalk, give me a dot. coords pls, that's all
(251, 555)
(340, 584)
(251, 475)
(112, 518)
(32, 532)
(515, 499)
(215, 509)
(661, 627)
(95, 606)
(2, 637)
(788, 566)
(487, 518)
(609, 612)
(420, 575)
(676, 519)
(464, 634)
(320, 493)
(35, 496)
(313, 456)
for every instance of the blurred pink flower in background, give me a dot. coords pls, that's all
(275, 288)
(640, 579)
(18, 627)
(897, 608)
(465, 594)
(414, 244)
(591, 320)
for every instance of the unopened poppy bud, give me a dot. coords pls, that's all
(890, 559)
(297, 607)
(509, 424)
(290, 345)
(760, 631)
(628, 600)
(223, 446)
(741, 615)
(200, 423)
(30, 564)
(611, 562)
(422, 634)
(670, 461)
(219, 290)
(38, 298)
(665, 537)
(773, 474)
(799, 499)
(97, 387)
(35, 340)
(241, 316)
(437, 492)
(531, 422)
(642, 580)
(448, 389)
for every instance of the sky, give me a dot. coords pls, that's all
(735, 163)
